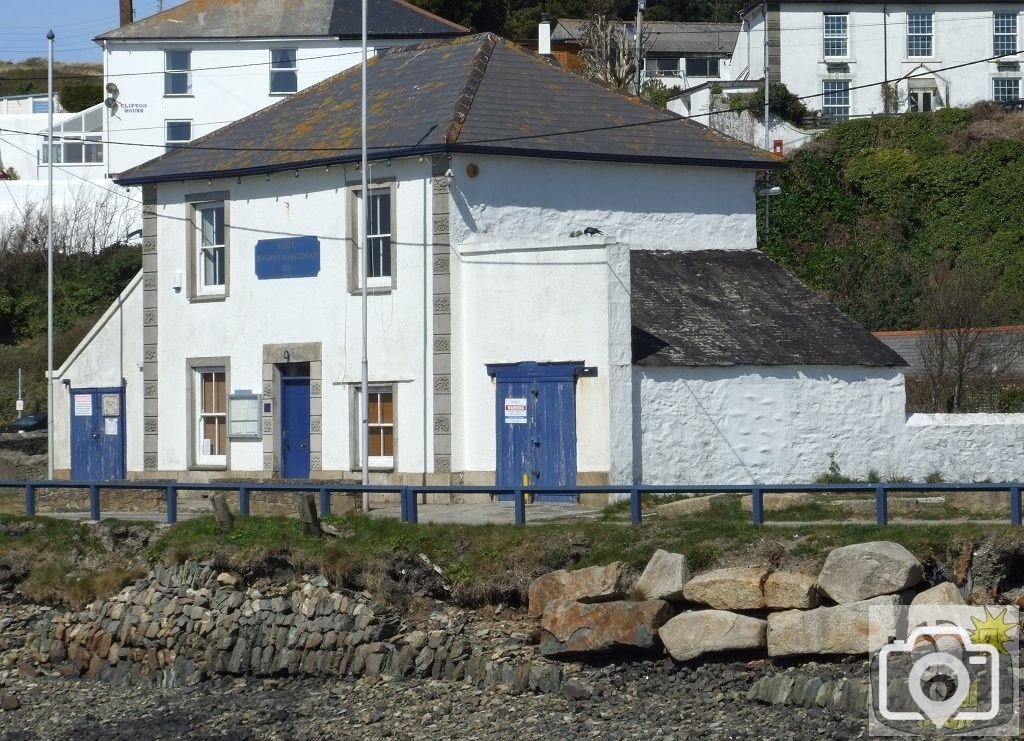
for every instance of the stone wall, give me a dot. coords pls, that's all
(183, 624)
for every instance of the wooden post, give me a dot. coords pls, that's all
(222, 513)
(306, 501)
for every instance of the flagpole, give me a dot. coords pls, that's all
(50, 36)
(364, 396)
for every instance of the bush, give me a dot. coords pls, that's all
(78, 97)
(783, 103)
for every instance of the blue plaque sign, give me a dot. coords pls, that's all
(291, 257)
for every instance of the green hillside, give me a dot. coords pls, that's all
(85, 284)
(875, 209)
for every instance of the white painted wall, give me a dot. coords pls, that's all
(684, 81)
(20, 145)
(765, 424)
(644, 206)
(965, 447)
(527, 291)
(112, 351)
(878, 50)
(319, 309)
(230, 80)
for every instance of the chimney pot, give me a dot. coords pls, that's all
(544, 36)
(127, 12)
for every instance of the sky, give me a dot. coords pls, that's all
(75, 23)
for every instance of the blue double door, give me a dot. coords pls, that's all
(295, 427)
(97, 434)
(536, 427)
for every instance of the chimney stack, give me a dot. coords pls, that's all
(127, 12)
(544, 36)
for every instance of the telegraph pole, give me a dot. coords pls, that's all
(641, 6)
(364, 386)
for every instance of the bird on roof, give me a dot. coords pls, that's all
(591, 231)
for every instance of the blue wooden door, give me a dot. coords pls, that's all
(97, 434)
(295, 427)
(536, 426)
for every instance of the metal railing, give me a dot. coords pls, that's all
(409, 506)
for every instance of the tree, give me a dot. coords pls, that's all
(607, 51)
(960, 351)
(75, 98)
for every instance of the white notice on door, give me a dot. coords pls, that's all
(83, 405)
(515, 411)
(110, 425)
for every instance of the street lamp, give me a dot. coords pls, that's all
(768, 192)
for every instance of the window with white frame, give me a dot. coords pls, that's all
(1004, 38)
(919, 34)
(211, 416)
(177, 133)
(1005, 88)
(177, 72)
(836, 30)
(836, 99)
(76, 141)
(661, 66)
(211, 250)
(381, 426)
(377, 237)
(284, 76)
(702, 66)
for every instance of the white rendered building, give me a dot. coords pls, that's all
(838, 54)
(564, 290)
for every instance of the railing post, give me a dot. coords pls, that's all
(172, 504)
(243, 501)
(634, 506)
(520, 507)
(30, 500)
(94, 502)
(1015, 518)
(881, 505)
(403, 500)
(757, 504)
(414, 512)
(325, 501)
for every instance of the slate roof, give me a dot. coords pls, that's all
(669, 36)
(240, 19)
(838, 8)
(737, 307)
(476, 94)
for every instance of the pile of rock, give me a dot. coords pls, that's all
(732, 609)
(185, 623)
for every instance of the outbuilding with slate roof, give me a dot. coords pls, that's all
(563, 290)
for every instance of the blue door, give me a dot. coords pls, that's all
(295, 427)
(536, 426)
(97, 434)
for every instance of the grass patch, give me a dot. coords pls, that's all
(61, 581)
(65, 561)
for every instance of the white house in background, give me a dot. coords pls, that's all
(827, 51)
(679, 54)
(182, 73)
(506, 344)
